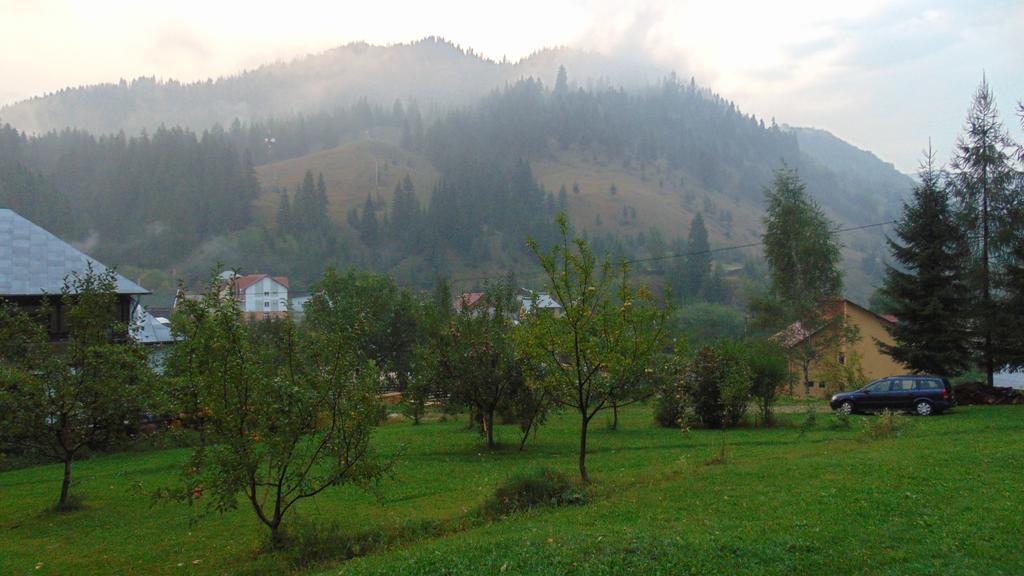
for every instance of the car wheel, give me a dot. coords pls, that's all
(845, 408)
(923, 408)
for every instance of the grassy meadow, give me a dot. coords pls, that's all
(943, 496)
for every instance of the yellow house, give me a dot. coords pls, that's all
(824, 362)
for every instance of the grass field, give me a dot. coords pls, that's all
(945, 497)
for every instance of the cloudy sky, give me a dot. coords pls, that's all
(884, 75)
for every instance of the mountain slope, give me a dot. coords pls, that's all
(434, 72)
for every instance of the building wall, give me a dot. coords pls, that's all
(266, 297)
(874, 363)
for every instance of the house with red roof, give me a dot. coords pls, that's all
(261, 296)
(467, 301)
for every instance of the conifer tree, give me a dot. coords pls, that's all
(928, 292)
(982, 178)
(697, 266)
(369, 229)
(284, 214)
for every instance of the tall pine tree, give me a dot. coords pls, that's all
(698, 259)
(928, 293)
(982, 177)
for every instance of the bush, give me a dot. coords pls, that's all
(736, 381)
(769, 373)
(702, 383)
(671, 397)
(532, 490)
(810, 418)
(718, 385)
(888, 424)
(669, 408)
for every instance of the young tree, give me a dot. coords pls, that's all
(803, 257)
(290, 412)
(474, 360)
(928, 294)
(80, 394)
(602, 345)
(982, 180)
(380, 320)
(802, 251)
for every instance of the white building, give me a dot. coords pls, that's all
(261, 296)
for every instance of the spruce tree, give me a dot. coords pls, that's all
(369, 227)
(928, 293)
(284, 214)
(982, 178)
(698, 261)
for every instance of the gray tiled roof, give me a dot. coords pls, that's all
(33, 261)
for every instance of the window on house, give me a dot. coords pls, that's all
(266, 293)
(266, 304)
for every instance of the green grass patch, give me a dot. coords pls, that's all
(942, 497)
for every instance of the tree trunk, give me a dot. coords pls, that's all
(584, 422)
(276, 535)
(489, 424)
(65, 487)
(615, 416)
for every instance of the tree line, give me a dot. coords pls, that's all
(955, 285)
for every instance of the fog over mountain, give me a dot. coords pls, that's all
(173, 176)
(433, 72)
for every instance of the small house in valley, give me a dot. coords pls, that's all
(817, 355)
(530, 301)
(261, 296)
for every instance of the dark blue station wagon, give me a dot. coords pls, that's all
(923, 395)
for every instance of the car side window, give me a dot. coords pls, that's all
(880, 386)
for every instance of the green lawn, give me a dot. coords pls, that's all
(945, 497)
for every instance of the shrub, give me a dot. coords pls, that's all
(810, 418)
(888, 424)
(718, 383)
(769, 373)
(839, 421)
(671, 397)
(702, 380)
(532, 490)
(736, 381)
(669, 408)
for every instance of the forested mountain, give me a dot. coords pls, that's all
(376, 182)
(432, 71)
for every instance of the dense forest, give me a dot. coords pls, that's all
(180, 201)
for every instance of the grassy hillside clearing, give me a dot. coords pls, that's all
(351, 172)
(661, 199)
(943, 498)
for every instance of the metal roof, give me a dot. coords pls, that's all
(149, 330)
(33, 261)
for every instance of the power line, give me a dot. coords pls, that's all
(673, 256)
